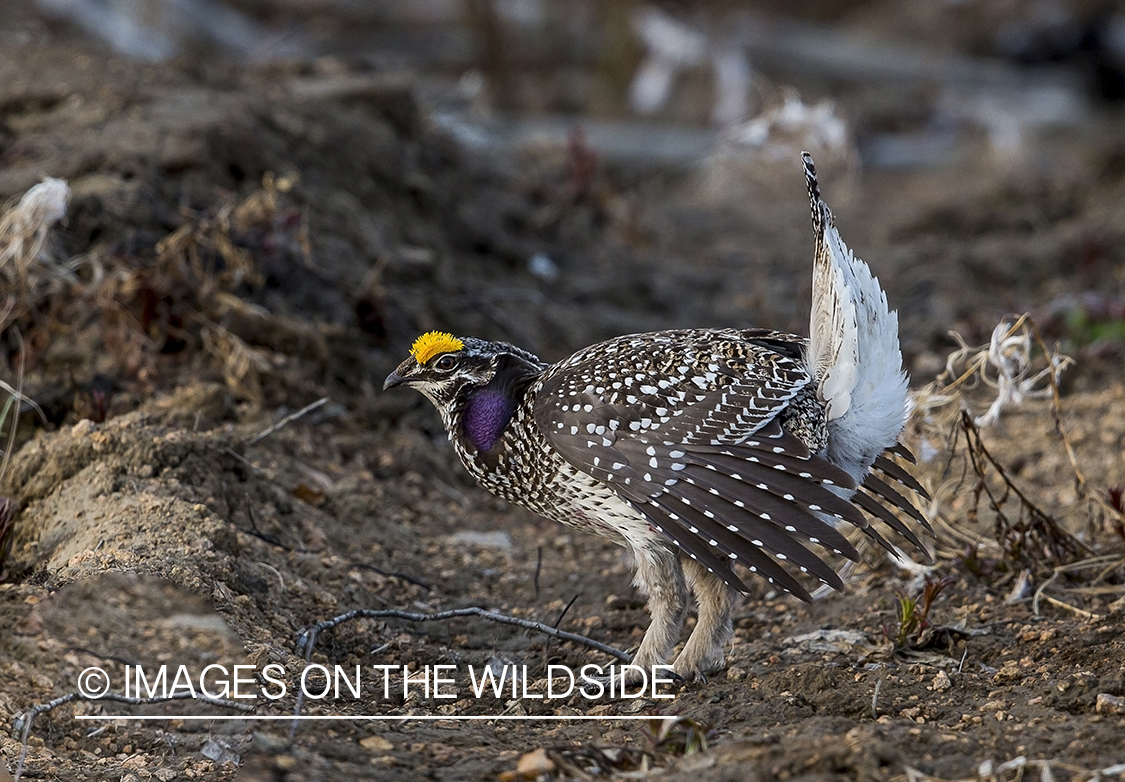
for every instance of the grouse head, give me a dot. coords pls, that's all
(475, 384)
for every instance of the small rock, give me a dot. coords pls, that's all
(541, 266)
(215, 751)
(376, 744)
(535, 763)
(1010, 670)
(498, 539)
(267, 742)
(942, 682)
(1109, 704)
(735, 674)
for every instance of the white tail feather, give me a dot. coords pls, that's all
(853, 348)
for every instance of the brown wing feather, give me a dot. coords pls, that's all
(885, 465)
(686, 427)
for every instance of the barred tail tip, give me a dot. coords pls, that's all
(816, 204)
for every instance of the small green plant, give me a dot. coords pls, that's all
(913, 615)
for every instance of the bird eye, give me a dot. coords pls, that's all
(445, 363)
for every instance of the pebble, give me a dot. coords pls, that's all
(535, 763)
(1109, 704)
(376, 744)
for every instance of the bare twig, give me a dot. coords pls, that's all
(1088, 564)
(300, 702)
(272, 540)
(1082, 612)
(22, 722)
(1014, 537)
(1056, 411)
(15, 399)
(563, 613)
(565, 610)
(307, 639)
(1040, 590)
(538, 567)
(287, 420)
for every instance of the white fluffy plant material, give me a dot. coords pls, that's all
(24, 228)
(1006, 365)
(752, 161)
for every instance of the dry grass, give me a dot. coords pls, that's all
(1009, 534)
(1022, 768)
(168, 305)
(24, 228)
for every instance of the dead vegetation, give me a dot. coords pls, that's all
(992, 525)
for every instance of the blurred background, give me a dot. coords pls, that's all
(916, 78)
(559, 172)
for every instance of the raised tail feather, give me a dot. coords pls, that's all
(856, 363)
(853, 353)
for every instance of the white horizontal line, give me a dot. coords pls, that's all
(400, 717)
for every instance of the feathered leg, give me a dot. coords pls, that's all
(661, 579)
(703, 653)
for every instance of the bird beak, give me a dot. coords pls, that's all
(394, 379)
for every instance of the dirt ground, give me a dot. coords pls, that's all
(241, 243)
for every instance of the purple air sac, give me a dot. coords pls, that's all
(485, 418)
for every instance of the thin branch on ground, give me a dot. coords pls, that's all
(1082, 612)
(286, 421)
(1036, 539)
(272, 540)
(307, 639)
(1056, 411)
(22, 722)
(562, 614)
